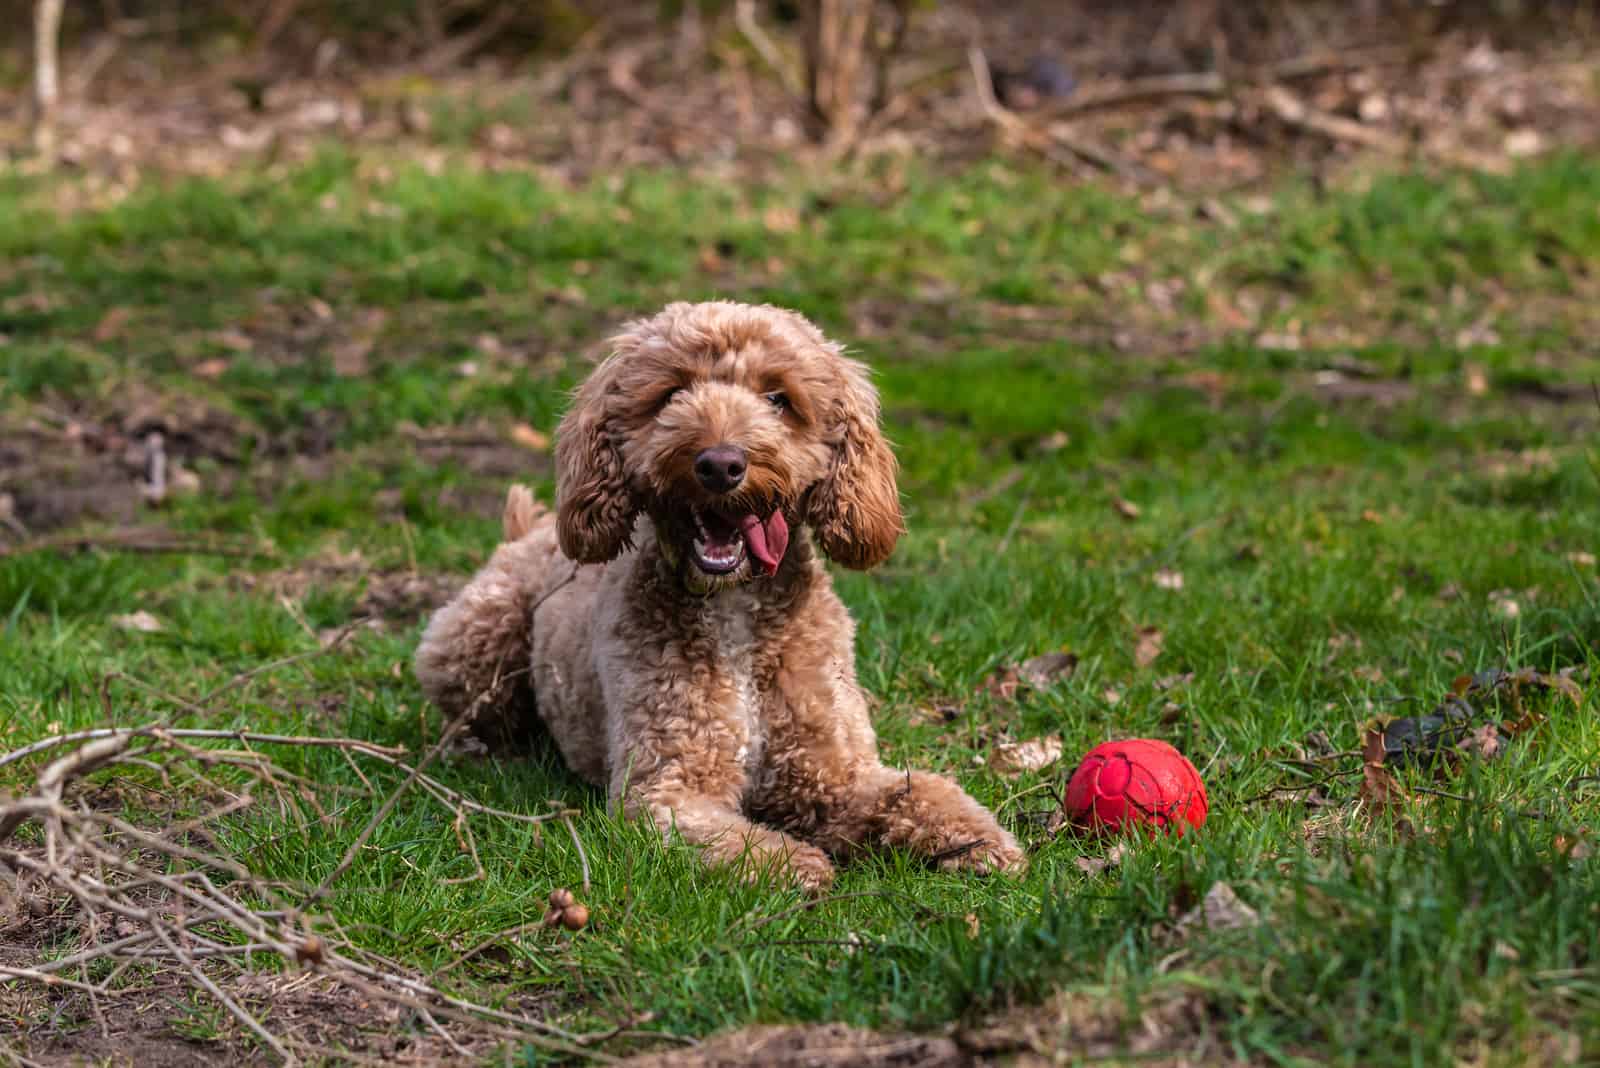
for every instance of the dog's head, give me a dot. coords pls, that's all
(728, 425)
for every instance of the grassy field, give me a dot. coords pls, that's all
(1268, 466)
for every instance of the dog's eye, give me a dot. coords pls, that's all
(778, 400)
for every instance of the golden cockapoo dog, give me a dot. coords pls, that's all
(672, 626)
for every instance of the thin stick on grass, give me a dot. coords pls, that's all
(577, 843)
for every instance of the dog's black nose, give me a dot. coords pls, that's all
(720, 468)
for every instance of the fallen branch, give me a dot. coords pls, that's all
(46, 76)
(1046, 142)
(1292, 110)
(134, 541)
(190, 905)
(744, 17)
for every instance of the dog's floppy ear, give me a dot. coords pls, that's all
(855, 509)
(594, 511)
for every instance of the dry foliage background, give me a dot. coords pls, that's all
(1193, 92)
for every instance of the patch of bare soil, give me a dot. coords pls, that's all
(159, 1022)
(1171, 1029)
(813, 1046)
(109, 461)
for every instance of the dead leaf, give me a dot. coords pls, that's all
(1002, 683)
(1112, 696)
(1369, 516)
(1564, 683)
(236, 340)
(1168, 682)
(1055, 442)
(1477, 380)
(1483, 742)
(1380, 790)
(1368, 673)
(215, 367)
(1225, 912)
(1125, 508)
(1147, 645)
(111, 324)
(1574, 847)
(141, 621)
(939, 713)
(350, 357)
(1112, 857)
(1169, 580)
(781, 220)
(530, 438)
(972, 925)
(1043, 671)
(1581, 559)
(1507, 607)
(1014, 758)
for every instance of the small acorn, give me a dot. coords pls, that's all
(561, 898)
(575, 917)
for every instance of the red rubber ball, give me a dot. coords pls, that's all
(1136, 782)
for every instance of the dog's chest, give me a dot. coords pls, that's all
(732, 618)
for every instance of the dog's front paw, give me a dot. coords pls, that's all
(989, 856)
(796, 863)
(811, 869)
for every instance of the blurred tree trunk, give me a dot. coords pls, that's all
(46, 76)
(849, 45)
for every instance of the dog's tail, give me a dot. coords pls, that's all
(474, 657)
(521, 513)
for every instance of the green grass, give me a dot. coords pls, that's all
(1043, 351)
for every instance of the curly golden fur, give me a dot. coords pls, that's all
(679, 647)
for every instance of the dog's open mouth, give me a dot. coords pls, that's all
(723, 541)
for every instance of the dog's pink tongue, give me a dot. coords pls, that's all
(766, 541)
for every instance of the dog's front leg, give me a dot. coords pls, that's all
(679, 759)
(726, 837)
(931, 816)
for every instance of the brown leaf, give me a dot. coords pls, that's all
(1014, 758)
(1002, 683)
(1380, 790)
(1483, 742)
(1059, 440)
(1225, 912)
(1476, 378)
(1368, 673)
(529, 438)
(1148, 642)
(1580, 559)
(1168, 682)
(1563, 683)
(1043, 671)
(141, 621)
(350, 357)
(781, 220)
(1090, 865)
(215, 367)
(1125, 508)
(236, 340)
(111, 324)
(1574, 847)
(938, 713)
